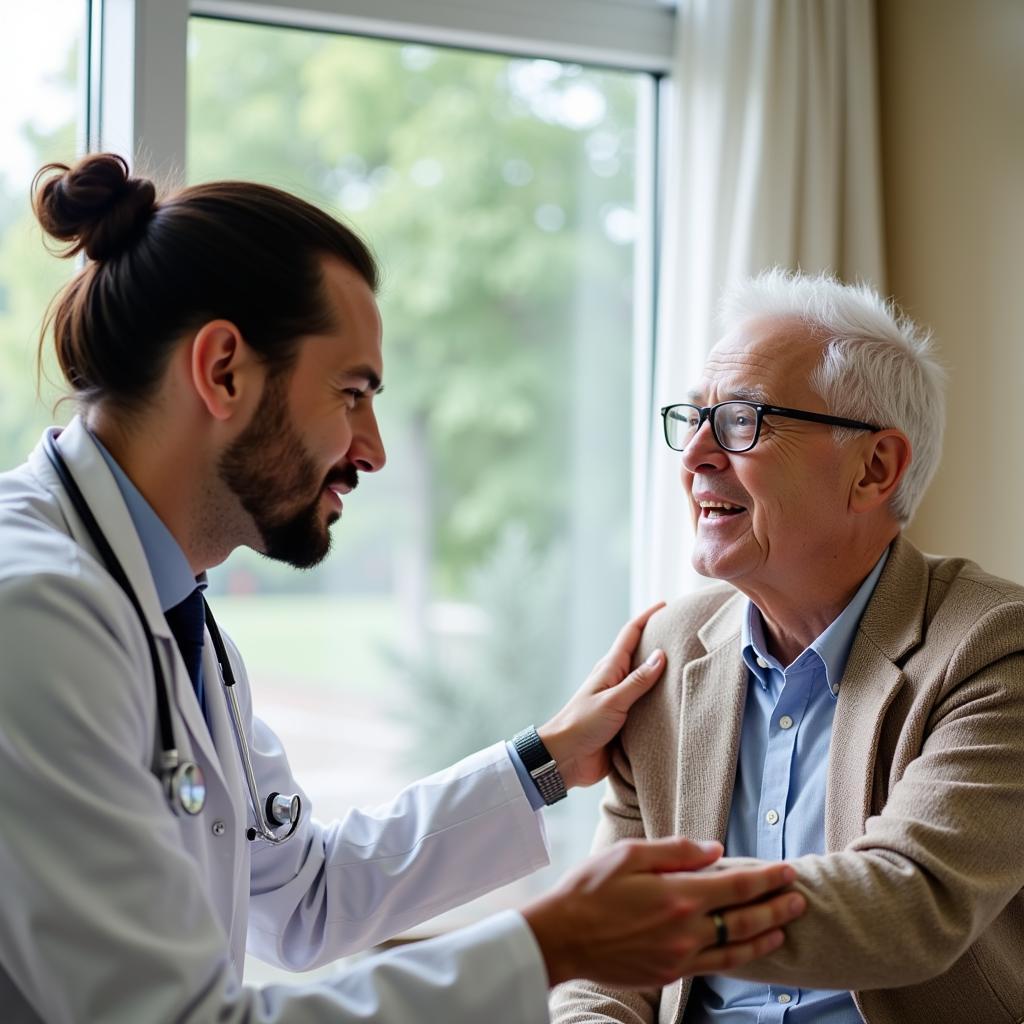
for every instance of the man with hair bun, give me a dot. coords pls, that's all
(223, 347)
(838, 701)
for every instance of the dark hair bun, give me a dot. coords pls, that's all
(96, 206)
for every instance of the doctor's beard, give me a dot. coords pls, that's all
(266, 468)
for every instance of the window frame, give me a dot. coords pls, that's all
(137, 105)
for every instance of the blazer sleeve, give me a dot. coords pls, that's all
(585, 1002)
(106, 917)
(904, 901)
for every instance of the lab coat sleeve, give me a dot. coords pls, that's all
(339, 888)
(106, 917)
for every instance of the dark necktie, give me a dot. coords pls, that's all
(187, 619)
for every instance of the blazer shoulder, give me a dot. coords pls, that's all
(675, 627)
(976, 616)
(965, 582)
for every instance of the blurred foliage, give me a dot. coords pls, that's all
(496, 670)
(29, 278)
(482, 183)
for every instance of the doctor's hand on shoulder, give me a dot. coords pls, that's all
(578, 736)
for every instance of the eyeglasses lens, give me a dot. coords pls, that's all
(681, 423)
(736, 425)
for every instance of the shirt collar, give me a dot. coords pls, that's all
(171, 572)
(831, 648)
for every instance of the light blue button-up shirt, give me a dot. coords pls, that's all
(778, 803)
(172, 575)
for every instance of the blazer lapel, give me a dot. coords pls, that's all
(869, 685)
(890, 628)
(713, 695)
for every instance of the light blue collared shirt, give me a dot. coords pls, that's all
(173, 579)
(172, 575)
(778, 803)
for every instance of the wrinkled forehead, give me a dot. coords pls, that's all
(764, 360)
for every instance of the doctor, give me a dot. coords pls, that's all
(224, 349)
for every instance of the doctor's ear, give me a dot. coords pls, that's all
(224, 370)
(886, 457)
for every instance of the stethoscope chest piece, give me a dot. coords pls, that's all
(187, 788)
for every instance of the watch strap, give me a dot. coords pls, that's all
(540, 764)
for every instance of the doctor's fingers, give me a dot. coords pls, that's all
(629, 636)
(658, 954)
(620, 654)
(752, 932)
(731, 887)
(727, 958)
(744, 923)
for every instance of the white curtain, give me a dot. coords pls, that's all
(773, 158)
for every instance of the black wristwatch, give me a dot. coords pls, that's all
(540, 764)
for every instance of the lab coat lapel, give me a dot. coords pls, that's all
(223, 738)
(100, 490)
(98, 486)
(191, 713)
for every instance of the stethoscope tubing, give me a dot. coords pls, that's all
(169, 757)
(262, 829)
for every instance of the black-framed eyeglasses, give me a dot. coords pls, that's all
(735, 425)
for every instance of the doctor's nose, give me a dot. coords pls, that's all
(367, 452)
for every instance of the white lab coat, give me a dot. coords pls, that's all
(114, 909)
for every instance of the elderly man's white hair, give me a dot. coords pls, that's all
(877, 365)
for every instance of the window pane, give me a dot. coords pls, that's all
(477, 579)
(39, 121)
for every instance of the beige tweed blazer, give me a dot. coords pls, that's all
(917, 904)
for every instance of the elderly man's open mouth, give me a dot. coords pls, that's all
(713, 509)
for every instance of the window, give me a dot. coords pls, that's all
(476, 579)
(40, 120)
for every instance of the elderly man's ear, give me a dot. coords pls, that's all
(886, 457)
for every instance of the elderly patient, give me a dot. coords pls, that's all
(840, 700)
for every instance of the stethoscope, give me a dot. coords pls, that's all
(182, 781)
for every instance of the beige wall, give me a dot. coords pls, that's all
(952, 96)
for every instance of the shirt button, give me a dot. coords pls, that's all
(217, 828)
(785, 722)
(785, 997)
(761, 663)
(772, 817)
